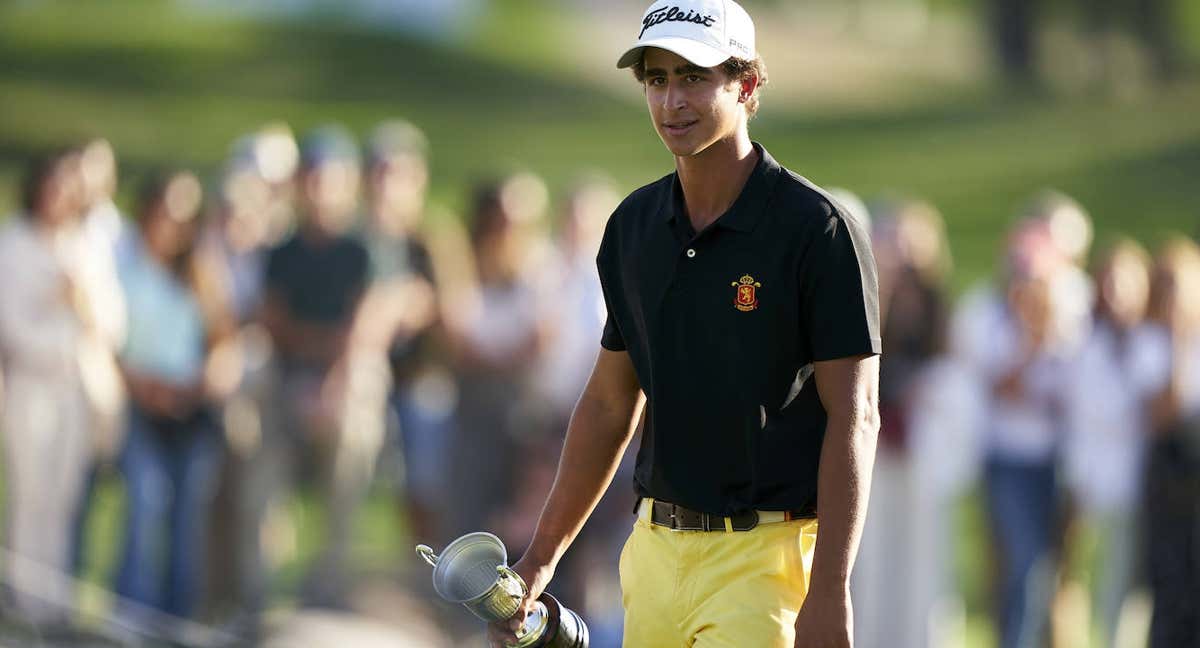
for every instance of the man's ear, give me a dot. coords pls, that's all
(749, 85)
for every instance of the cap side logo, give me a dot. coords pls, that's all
(675, 14)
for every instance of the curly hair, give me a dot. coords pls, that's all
(735, 69)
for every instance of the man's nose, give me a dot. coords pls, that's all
(674, 98)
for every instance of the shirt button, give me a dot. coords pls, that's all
(691, 253)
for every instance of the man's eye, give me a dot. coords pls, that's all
(657, 81)
(694, 78)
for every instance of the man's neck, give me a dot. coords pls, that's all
(713, 179)
(316, 235)
(391, 225)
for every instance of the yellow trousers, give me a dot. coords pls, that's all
(715, 589)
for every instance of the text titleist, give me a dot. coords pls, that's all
(674, 14)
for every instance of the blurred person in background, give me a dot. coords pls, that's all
(898, 580)
(232, 248)
(1107, 390)
(331, 400)
(576, 316)
(109, 241)
(496, 340)
(399, 317)
(273, 154)
(1009, 340)
(60, 304)
(573, 319)
(102, 218)
(234, 240)
(1072, 299)
(1023, 365)
(1073, 292)
(1173, 475)
(172, 452)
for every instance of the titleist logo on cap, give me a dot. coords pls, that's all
(674, 14)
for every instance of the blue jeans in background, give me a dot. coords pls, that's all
(171, 470)
(1022, 500)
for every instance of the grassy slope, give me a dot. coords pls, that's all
(169, 89)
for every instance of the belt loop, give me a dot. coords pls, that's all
(728, 525)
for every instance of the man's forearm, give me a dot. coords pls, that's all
(596, 440)
(844, 483)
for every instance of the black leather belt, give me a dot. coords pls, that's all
(679, 518)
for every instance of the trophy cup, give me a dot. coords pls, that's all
(473, 570)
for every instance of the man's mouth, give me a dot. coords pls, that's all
(679, 127)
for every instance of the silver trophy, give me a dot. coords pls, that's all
(473, 570)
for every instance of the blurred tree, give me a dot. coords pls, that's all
(1151, 22)
(1012, 27)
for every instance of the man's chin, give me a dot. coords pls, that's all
(684, 149)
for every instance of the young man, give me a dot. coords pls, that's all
(329, 410)
(742, 303)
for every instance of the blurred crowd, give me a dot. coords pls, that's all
(306, 321)
(300, 324)
(1068, 391)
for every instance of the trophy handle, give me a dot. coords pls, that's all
(427, 553)
(507, 572)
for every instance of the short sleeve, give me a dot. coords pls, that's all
(839, 292)
(606, 266)
(611, 338)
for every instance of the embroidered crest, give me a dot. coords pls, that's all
(746, 298)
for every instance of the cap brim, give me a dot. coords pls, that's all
(696, 53)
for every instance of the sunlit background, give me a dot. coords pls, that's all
(1000, 148)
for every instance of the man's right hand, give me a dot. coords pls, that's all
(536, 574)
(600, 429)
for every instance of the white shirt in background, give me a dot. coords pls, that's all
(985, 337)
(39, 330)
(502, 320)
(105, 226)
(1107, 389)
(575, 312)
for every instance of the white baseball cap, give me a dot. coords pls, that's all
(705, 32)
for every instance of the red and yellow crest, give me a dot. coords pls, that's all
(746, 298)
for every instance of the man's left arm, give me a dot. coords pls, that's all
(849, 392)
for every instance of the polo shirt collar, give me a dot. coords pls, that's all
(747, 210)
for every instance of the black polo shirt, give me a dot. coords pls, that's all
(319, 282)
(723, 327)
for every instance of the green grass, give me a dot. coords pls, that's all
(170, 88)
